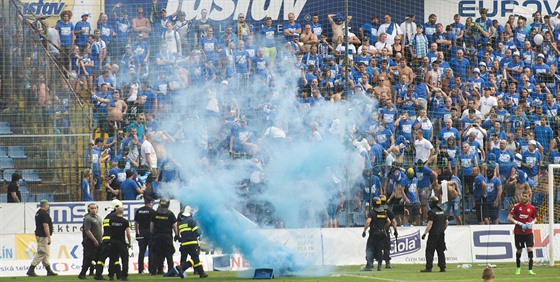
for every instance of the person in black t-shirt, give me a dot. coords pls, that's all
(142, 219)
(120, 240)
(437, 223)
(14, 195)
(162, 226)
(43, 232)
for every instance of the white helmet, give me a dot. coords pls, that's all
(188, 211)
(115, 203)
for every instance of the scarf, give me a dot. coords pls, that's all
(240, 27)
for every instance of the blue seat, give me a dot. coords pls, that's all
(44, 196)
(359, 218)
(7, 175)
(5, 128)
(342, 220)
(31, 175)
(25, 195)
(3, 198)
(6, 163)
(3, 153)
(16, 152)
(502, 217)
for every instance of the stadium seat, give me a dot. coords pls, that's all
(3, 153)
(6, 163)
(31, 175)
(16, 152)
(359, 218)
(44, 196)
(342, 222)
(5, 128)
(7, 175)
(25, 195)
(502, 217)
(3, 198)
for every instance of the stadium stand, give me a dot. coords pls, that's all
(473, 93)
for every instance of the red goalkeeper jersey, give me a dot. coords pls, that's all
(524, 214)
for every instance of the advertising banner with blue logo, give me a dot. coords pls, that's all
(225, 12)
(497, 9)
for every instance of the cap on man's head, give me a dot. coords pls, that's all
(516, 54)
(44, 202)
(295, 35)
(533, 142)
(85, 14)
(476, 70)
(482, 64)
(540, 56)
(148, 199)
(163, 10)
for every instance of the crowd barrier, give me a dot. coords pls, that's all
(334, 246)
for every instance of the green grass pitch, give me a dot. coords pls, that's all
(502, 272)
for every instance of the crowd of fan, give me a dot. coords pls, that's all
(466, 98)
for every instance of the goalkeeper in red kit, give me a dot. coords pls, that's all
(523, 215)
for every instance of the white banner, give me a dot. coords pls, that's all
(334, 246)
(12, 217)
(497, 9)
(67, 216)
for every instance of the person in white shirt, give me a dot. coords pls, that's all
(487, 102)
(391, 29)
(408, 29)
(148, 153)
(423, 147)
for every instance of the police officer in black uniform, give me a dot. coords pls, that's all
(437, 223)
(387, 245)
(114, 267)
(142, 219)
(162, 226)
(120, 227)
(189, 244)
(377, 222)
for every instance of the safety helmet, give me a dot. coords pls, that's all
(410, 172)
(383, 201)
(164, 203)
(188, 211)
(376, 201)
(433, 201)
(115, 203)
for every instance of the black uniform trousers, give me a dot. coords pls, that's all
(119, 249)
(91, 253)
(374, 250)
(194, 252)
(163, 249)
(387, 248)
(436, 242)
(142, 246)
(113, 261)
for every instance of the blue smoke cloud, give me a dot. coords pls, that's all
(297, 176)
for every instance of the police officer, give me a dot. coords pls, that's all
(189, 244)
(91, 243)
(377, 222)
(387, 245)
(106, 247)
(162, 226)
(120, 227)
(437, 223)
(142, 219)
